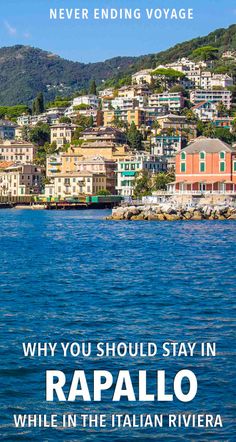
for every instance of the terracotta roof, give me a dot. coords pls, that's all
(5, 164)
(200, 104)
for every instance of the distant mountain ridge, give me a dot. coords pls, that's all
(25, 71)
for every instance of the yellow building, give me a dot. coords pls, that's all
(62, 133)
(75, 184)
(137, 116)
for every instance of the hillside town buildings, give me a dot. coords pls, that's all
(90, 150)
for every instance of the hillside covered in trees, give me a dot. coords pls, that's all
(26, 71)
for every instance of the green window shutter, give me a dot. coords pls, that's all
(202, 155)
(202, 167)
(222, 155)
(183, 167)
(183, 156)
(222, 166)
(234, 166)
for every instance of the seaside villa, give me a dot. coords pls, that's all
(205, 166)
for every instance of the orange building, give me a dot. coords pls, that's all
(206, 165)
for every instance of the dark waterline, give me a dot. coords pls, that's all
(72, 276)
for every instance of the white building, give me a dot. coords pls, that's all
(88, 100)
(127, 170)
(124, 103)
(144, 76)
(205, 110)
(214, 96)
(17, 151)
(173, 101)
(221, 80)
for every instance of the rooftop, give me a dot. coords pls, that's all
(208, 145)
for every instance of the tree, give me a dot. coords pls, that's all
(168, 76)
(190, 115)
(225, 135)
(38, 104)
(160, 180)
(65, 120)
(209, 131)
(104, 192)
(40, 134)
(134, 137)
(222, 110)
(155, 126)
(178, 88)
(205, 53)
(93, 88)
(142, 184)
(91, 122)
(25, 133)
(117, 122)
(13, 112)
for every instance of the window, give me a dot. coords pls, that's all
(234, 166)
(183, 156)
(222, 166)
(202, 167)
(222, 155)
(183, 167)
(202, 155)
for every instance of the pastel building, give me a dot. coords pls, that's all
(213, 96)
(62, 133)
(19, 179)
(17, 151)
(173, 101)
(205, 165)
(128, 169)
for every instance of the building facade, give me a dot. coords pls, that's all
(20, 179)
(213, 96)
(17, 151)
(62, 133)
(206, 165)
(7, 130)
(128, 169)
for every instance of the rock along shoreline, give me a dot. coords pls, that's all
(168, 212)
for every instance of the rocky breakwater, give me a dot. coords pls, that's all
(169, 212)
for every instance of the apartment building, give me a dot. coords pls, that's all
(17, 151)
(128, 169)
(173, 101)
(19, 179)
(214, 96)
(62, 133)
(7, 130)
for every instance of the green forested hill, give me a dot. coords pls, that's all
(25, 71)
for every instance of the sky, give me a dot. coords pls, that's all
(27, 22)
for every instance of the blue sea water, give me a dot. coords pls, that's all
(71, 276)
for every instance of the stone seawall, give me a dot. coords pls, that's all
(167, 212)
